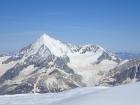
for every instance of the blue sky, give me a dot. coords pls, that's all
(114, 24)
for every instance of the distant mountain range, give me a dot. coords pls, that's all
(127, 55)
(50, 65)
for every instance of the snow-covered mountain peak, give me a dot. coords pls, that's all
(45, 38)
(59, 49)
(56, 47)
(49, 65)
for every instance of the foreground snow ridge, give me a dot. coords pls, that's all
(121, 95)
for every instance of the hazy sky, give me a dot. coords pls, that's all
(114, 24)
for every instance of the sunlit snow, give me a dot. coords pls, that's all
(121, 95)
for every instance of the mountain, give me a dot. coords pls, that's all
(127, 72)
(50, 65)
(126, 55)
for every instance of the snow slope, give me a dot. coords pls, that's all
(121, 95)
(46, 55)
(50, 65)
(5, 67)
(55, 46)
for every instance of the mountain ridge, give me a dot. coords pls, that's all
(49, 65)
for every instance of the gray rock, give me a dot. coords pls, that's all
(122, 74)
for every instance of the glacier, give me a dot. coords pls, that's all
(50, 65)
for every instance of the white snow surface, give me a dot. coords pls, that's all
(83, 59)
(120, 95)
(5, 67)
(82, 63)
(55, 46)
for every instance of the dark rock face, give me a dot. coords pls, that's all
(20, 89)
(55, 81)
(107, 56)
(138, 72)
(13, 72)
(90, 48)
(2, 55)
(13, 58)
(55, 77)
(38, 69)
(125, 73)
